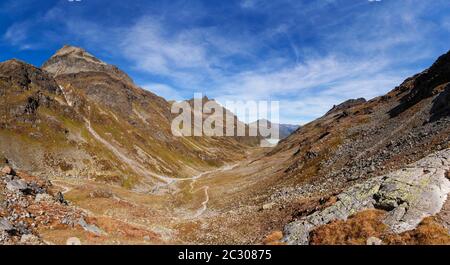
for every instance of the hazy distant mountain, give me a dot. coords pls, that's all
(284, 129)
(287, 129)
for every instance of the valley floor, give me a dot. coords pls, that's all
(181, 210)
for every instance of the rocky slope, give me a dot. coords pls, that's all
(28, 204)
(360, 139)
(33, 211)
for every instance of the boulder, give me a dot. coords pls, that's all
(16, 185)
(268, 206)
(5, 225)
(74, 241)
(374, 241)
(90, 228)
(43, 197)
(29, 239)
(60, 198)
(8, 171)
(35, 188)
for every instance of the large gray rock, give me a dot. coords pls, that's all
(29, 239)
(90, 228)
(409, 195)
(43, 197)
(5, 225)
(16, 185)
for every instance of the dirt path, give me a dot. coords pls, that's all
(65, 188)
(204, 205)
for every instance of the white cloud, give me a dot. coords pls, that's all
(446, 23)
(248, 3)
(188, 57)
(17, 35)
(308, 76)
(159, 53)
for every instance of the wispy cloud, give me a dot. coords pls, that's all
(17, 34)
(308, 90)
(190, 57)
(160, 52)
(313, 74)
(249, 3)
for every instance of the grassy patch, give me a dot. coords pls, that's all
(355, 231)
(359, 227)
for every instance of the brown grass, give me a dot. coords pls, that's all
(359, 227)
(428, 232)
(273, 238)
(117, 228)
(354, 231)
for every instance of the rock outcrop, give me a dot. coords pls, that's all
(409, 195)
(21, 76)
(346, 105)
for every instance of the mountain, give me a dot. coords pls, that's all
(80, 117)
(284, 129)
(287, 129)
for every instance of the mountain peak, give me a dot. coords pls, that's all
(72, 60)
(73, 51)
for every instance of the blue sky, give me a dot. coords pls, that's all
(307, 54)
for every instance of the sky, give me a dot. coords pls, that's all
(308, 55)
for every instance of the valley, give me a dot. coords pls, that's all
(87, 154)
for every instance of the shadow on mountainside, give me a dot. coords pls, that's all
(423, 85)
(441, 105)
